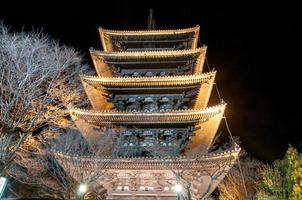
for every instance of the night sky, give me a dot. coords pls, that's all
(253, 47)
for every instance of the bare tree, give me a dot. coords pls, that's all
(76, 158)
(43, 171)
(38, 77)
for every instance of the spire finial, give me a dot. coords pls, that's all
(151, 20)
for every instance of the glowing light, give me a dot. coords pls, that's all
(3, 182)
(83, 188)
(178, 188)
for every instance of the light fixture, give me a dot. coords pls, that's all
(3, 183)
(178, 188)
(82, 188)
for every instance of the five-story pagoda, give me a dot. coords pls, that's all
(151, 94)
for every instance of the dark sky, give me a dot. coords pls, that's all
(254, 47)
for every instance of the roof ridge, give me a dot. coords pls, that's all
(143, 53)
(195, 28)
(150, 77)
(212, 155)
(220, 105)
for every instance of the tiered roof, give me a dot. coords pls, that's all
(122, 117)
(113, 40)
(124, 178)
(210, 160)
(149, 82)
(103, 61)
(97, 87)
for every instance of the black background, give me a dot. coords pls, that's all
(254, 47)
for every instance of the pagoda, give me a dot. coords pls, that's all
(150, 92)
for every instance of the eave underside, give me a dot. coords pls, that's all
(179, 91)
(149, 32)
(105, 62)
(207, 161)
(206, 121)
(122, 82)
(148, 54)
(178, 116)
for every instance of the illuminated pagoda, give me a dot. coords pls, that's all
(150, 92)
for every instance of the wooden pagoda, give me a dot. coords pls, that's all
(150, 92)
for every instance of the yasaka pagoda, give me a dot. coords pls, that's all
(151, 93)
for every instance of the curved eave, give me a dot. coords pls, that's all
(141, 163)
(148, 54)
(98, 81)
(149, 32)
(177, 116)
